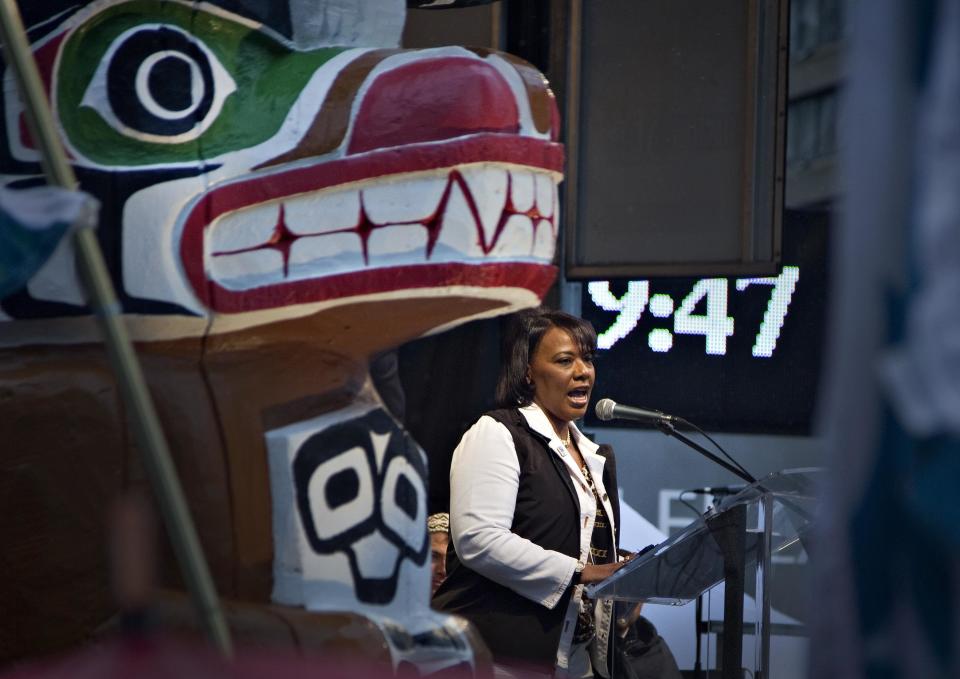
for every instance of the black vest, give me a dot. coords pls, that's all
(547, 513)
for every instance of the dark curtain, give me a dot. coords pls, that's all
(449, 381)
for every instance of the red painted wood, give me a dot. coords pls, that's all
(432, 100)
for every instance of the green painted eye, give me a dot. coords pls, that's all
(148, 83)
(157, 84)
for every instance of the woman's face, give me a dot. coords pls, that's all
(562, 376)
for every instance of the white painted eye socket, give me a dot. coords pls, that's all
(341, 493)
(157, 83)
(146, 96)
(404, 503)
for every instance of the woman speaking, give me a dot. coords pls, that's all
(534, 509)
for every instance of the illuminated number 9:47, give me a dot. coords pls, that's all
(714, 323)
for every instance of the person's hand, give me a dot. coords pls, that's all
(597, 572)
(625, 621)
(438, 558)
(601, 571)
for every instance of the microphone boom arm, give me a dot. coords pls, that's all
(666, 426)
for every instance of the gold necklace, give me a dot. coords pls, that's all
(588, 477)
(566, 439)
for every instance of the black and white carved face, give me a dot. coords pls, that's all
(360, 489)
(350, 533)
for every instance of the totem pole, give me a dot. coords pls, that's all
(283, 193)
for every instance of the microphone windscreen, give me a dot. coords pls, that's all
(604, 409)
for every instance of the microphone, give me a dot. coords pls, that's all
(608, 409)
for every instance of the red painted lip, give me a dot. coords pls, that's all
(522, 151)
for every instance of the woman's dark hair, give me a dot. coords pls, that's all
(520, 344)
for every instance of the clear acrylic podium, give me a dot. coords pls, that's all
(743, 530)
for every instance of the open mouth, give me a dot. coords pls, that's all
(579, 397)
(437, 214)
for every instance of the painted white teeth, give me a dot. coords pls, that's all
(402, 243)
(458, 231)
(323, 212)
(544, 241)
(408, 200)
(489, 184)
(325, 255)
(545, 188)
(246, 270)
(327, 242)
(521, 190)
(243, 229)
(516, 239)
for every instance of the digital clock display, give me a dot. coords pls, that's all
(729, 354)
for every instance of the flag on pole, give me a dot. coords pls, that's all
(32, 223)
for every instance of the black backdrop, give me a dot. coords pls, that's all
(449, 380)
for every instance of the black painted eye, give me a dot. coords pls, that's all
(342, 488)
(336, 493)
(405, 497)
(404, 500)
(159, 84)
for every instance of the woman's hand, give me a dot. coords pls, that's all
(625, 622)
(597, 572)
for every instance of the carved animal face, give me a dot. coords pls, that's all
(248, 177)
(350, 490)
